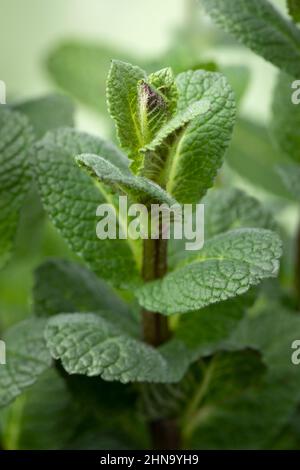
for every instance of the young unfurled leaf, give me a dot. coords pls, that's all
(139, 105)
(163, 82)
(27, 357)
(294, 9)
(168, 144)
(285, 123)
(259, 26)
(70, 198)
(122, 97)
(138, 188)
(157, 162)
(157, 102)
(226, 267)
(65, 286)
(87, 344)
(16, 138)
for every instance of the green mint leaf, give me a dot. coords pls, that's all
(259, 332)
(43, 417)
(27, 357)
(159, 159)
(226, 267)
(227, 209)
(294, 9)
(259, 26)
(139, 105)
(87, 344)
(164, 83)
(81, 70)
(65, 286)
(16, 138)
(140, 189)
(290, 175)
(285, 121)
(70, 198)
(253, 156)
(157, 102)
(230, 377)
(256, 416)
(47, 113)
(204, 332)
(194, 162)
(122, 97)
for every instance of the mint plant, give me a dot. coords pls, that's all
(140, 343)
(173, 133)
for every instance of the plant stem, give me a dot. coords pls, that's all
(155, 326)
(164, 432)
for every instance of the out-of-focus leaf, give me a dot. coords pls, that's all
(290, 175)
(254, 414)
(16, 138)
(285, 122)
(259, 26)
(294, 9)
(228, 209)
(239, 78)
(47, 113)
(252, 155)
(43, 418)
(81, 70)
(63, 286)
(27, 358)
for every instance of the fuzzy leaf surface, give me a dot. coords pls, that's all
(87, 344)
(193, 162)
(226, 267)
(259, 26)
(71, 198)
(16, 138)
(139, 188)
